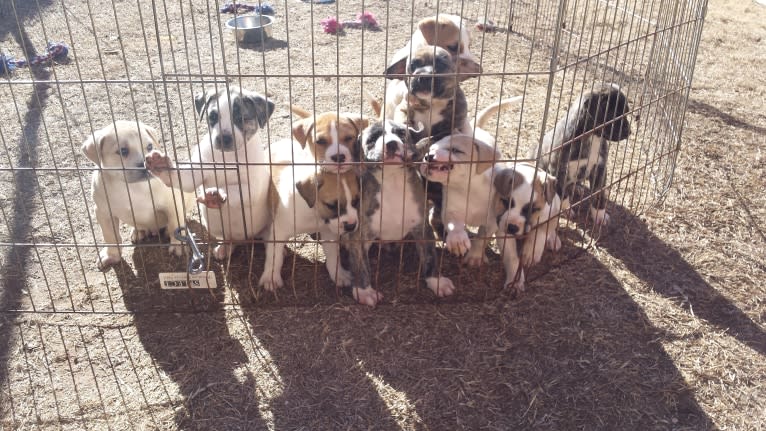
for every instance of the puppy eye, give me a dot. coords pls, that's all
(355, 202)
(505, 202)
(348, 139)
(322, 141)
(453, 48)
(332, 206)
(149, 147)
(414, 64)
(456, 151)
(513, 203)
(124, 152)
(212, 118)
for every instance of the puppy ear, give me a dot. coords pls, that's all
(506, 179)
(263, 108)
(398, 67)
(549, 188)
(422, 146)
(374, 104)
(427, 27)
(202, 99)
(467, 67)
(484, 155)
(302, 129)
(359, 122)
(92, 146)
(309, 188)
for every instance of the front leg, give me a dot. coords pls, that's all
(534, 245)
(184, 177)
(424, 242)
(598, 199)
(476, 255)
(457, 240)
(109, 255)
(271, 279)
(331, 247)
(514, 274)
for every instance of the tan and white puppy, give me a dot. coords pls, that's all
(330, 138)
(124, 191)
(527, 210)
(307, 201)
(229, 168)
(444, 31)
(463, 165)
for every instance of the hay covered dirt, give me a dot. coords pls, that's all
(657, 325)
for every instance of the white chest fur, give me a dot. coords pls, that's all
(399, 212)
(470, 204)
(578, 169)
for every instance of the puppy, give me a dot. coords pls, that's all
(124, 191)
(445, 31)
(306, 201)
(230, 165)
(526, 209)
(329, 138)
(577, 147)
(393, 202)
(433, 95)
(463, 165)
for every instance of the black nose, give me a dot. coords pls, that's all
(349, 227)
(392, 146)
(224, 141)
(513, 229)
(338, 158)
(430, 157)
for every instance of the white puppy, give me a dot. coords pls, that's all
(230, 164)
(123, 190)
(527, 209)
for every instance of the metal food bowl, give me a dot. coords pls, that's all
(251, 28)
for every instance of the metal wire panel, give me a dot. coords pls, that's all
(144, 60)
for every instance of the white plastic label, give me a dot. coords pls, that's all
(182, 280)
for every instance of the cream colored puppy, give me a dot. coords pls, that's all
(124, 191)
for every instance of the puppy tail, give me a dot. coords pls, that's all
(297, 110)
(490, 111)
(377, 107)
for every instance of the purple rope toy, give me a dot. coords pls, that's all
(53, 52)
(238, 8)
(366, 20)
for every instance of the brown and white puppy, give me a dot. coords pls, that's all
(329, 137)
(229, 168)
(527, 209)
(445, 31)
(124, 191)
(463, 165)
(433, 96)
(576, 148)
(307, 201)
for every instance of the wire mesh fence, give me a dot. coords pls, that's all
(146, 60)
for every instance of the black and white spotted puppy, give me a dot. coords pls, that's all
(576, 148)
(393, 199)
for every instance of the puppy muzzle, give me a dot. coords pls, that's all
(224, 142)
(137, 173)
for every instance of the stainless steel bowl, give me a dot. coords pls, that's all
(251, 28)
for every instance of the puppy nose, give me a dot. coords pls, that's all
(349, 227)
(430, 157)
(224, 141)
(513, 229)
(392, 146)
(338, 158)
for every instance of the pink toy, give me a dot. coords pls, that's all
(363, 20)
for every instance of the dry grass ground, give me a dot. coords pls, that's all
(658, 325)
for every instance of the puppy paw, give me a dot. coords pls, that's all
(476, 258)
(441, 286)
(600, 217)
(222, 251)
(176, 249)
(138, 235)
(107, 257)
(340, 276)
(214, 198)
(515, 287)
(367, 296)
(553, 243)
(458, 242)
(156, 162)
(271, 280)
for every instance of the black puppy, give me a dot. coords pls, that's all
(577, 147)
